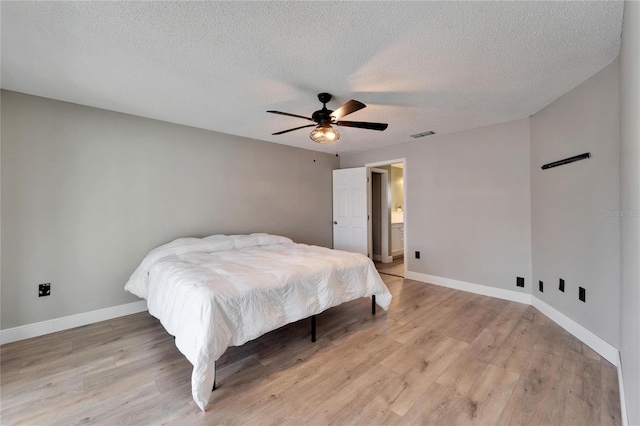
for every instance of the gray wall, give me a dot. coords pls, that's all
(576, 234)
(467, 203)
(86, 193)
(630, 201)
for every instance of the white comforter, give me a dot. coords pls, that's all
(222, 291)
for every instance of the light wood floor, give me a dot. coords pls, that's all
(439, 356)
(396, 267)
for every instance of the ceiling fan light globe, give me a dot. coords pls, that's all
(324, 135)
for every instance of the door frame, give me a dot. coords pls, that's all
(369, 166)
(385, 203)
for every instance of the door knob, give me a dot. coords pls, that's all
(335, 222)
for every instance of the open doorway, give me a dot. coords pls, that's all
(387, 207)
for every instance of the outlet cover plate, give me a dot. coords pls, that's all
(44, 289)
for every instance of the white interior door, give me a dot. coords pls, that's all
(350, 217)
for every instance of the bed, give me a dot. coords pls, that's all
(224, 290)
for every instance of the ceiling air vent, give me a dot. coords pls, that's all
(423, 134)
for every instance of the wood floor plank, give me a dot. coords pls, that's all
(419, 373)
(577, 390)
(610, 400)
(106, 410)
(437, 406)
(478, 312)
(376, 412)
(306, 379)
(348, 404)
(516, 349)
(438, 356)
(419, 302)
(490, 394)
(462, 374)
(534, 394)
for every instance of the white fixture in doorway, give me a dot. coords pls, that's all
(400, 163)
(385, 197)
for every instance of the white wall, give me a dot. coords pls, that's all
(86, 193)
(630, 202)
(467, 198)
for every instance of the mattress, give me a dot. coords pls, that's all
(220, 291)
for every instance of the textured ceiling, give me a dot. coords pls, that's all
(442, 66)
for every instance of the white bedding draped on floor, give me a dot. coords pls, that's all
(222, 291)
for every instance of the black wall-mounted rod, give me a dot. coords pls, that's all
(567, 161)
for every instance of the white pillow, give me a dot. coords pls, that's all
(272, 240)
(258, 239)
(244, 241)
(219, 242)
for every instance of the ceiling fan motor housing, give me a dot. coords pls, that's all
(323, 116)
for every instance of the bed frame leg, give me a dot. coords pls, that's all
(373, 304)
(313, 328)
(214, 378)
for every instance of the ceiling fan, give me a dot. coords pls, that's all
(324, 118)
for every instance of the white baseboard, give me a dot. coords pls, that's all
(604, 349)
(51, 326)
(485, 290)
(623, 401)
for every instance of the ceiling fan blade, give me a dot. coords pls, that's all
(363, 125)
(295, 128)
(290, 115)
(346, 109)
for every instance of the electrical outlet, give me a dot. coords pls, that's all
(541, 286)
(417, 255)
(519, 282)
(561, 286)
(44, 289)
(582, 294)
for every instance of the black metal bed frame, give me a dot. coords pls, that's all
(313, 326)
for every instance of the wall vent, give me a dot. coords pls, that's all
(423, 134)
